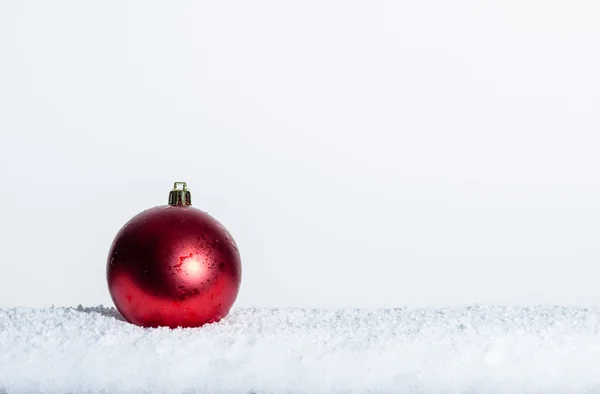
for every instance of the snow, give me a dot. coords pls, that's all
(470, 349)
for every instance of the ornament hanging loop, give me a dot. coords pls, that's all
(180, 195)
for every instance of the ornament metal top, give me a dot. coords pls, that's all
(179, 196)
(173, 265)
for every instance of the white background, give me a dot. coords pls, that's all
(362, 153)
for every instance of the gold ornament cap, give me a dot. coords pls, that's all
(180, 195)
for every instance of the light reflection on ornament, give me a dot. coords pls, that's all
(192, 267)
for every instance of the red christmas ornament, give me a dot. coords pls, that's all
(173, 265)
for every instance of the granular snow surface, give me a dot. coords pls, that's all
(477, 349)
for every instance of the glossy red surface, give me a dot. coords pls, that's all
(173, 266)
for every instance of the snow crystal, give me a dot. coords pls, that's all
(472, 349)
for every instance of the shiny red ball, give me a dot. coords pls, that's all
(174, 266)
